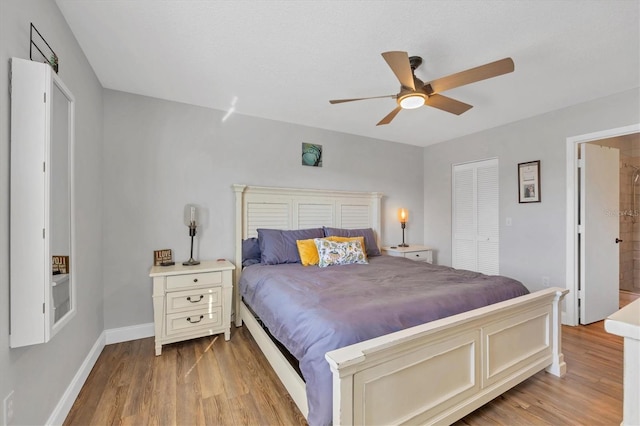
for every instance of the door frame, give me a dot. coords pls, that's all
(571, 312)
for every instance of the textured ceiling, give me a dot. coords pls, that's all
(283, 60)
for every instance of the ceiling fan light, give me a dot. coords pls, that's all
(412, 101)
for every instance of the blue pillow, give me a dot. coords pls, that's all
(370, 242)
(278, 246)
(250, 251)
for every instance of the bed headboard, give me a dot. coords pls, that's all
(288, 208)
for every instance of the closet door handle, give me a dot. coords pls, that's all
(618, 240)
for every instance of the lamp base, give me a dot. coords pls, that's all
(191, 262)
(403, 245)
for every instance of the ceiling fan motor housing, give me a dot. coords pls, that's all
(409, 98)
(415, 62)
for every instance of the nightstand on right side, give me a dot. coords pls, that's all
(413, 252)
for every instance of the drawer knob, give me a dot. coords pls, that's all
(195, 322)
(195, 301)
(195, 280)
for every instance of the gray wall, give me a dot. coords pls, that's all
(534, 246)
(161, 155)
(40, 374)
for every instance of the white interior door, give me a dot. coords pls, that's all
(599, 232)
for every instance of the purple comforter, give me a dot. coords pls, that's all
(312, 310)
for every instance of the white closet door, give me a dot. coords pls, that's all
(464, 212)
(488, 218)
(476, 217)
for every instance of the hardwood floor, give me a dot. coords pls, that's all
(208, 381)
(204, 381)
(627, 297)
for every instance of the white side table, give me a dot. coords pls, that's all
(191, 301)
(414, 252)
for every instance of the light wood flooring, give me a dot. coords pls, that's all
(627, 297)
(208, 381)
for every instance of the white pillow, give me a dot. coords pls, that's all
(335, 253)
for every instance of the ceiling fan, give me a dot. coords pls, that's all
(414, 92)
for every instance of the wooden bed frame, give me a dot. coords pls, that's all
(439, 371)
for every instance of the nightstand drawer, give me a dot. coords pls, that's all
(424, 256)
(180, 301)
(191, 280)
(415, 252)
(195, 320)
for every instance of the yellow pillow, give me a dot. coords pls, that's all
(308, 252)
(347, 239)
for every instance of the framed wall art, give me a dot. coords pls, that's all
(311, 155)
(529, 182)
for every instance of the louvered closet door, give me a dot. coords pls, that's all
(476, 217)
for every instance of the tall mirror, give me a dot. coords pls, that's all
(42, 281)
(60, 204)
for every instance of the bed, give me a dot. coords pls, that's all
(472, 356)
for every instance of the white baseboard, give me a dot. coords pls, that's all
(107, 337)
(134, 332)
(65, 403)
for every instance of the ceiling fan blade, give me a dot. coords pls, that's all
(390, 116)
(483, 72)
(339, 101)
(399, 64)
(447, 104)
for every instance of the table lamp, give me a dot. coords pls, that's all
(403, 215)
(191, 220)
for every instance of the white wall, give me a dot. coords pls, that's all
(161, 155)
(40, 374)
(534, 246)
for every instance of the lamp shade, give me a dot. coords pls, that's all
(403, 215)
(190, 214)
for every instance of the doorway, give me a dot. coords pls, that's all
(571, 314)
(629, 211)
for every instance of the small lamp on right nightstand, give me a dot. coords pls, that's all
(403, 216)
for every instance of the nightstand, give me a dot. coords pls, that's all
(413, 252)
(191, 301)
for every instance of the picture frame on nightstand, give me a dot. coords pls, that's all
(59, 265)
(163, 257)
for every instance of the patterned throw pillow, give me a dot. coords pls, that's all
(346, 239)
(335, 253)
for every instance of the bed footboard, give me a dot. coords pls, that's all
(443, 370)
